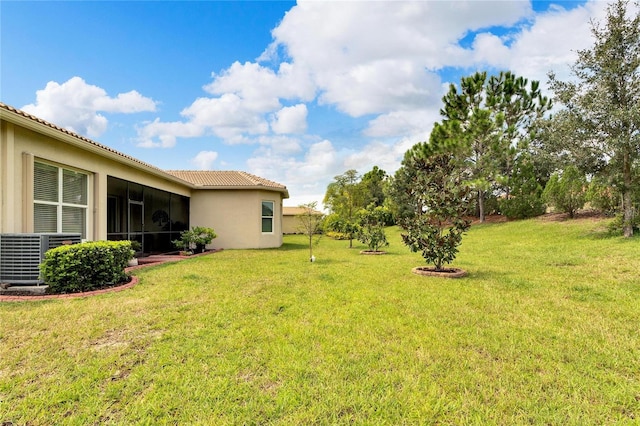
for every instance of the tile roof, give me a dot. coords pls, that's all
(84, 139)
(225, 179)
(293, 211)
(207, 179)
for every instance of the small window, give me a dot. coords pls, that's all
(267, 216)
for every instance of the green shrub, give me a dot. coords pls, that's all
(85, 267)
(567, 191)
(336, 235)
(525, 199)
(604, 197)
(196, 238)
(371, 226)
(615, 226)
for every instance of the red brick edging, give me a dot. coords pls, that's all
(134, 281)
(6, 298)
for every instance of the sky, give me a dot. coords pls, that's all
(295, 92)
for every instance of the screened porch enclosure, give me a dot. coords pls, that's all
(144, 214)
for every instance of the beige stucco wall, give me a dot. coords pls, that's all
(290, 224)
(21, 146)
(236, 216)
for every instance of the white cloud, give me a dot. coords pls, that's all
(331, 37)
(126, 103)
(157, 134)
(204, 160)
(378, 57)
(417, 123)
(387, 156)
(305, 177)
(243, 96)
(227, 116)
(364, 58)
(549, 42)
(281, 144)
(290, 120)
(490, 49)
(262, 87)
(76, 105)
(380, 60)
(382, 86)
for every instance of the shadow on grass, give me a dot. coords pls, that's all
(607, 234)
(293, 246)
(326, 261)
(502, 279)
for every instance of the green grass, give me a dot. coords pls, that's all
(544, 330)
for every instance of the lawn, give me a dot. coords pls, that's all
(545, 329)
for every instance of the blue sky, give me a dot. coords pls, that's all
(293, 92)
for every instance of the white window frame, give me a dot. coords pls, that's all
(272, 217)
(60, 204)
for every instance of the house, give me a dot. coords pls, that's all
(53, 180)
(291, 222)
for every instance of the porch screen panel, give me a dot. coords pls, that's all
(157, 209)
(165, 214)
(117, 212)
(179, 213)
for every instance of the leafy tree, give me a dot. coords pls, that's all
(344, 197)
(525, 199)
(431, 188)
(373, 183)
(602, 115)
(485, 123)
(372, 221)
(603, 196)
(567, 192)
(310, 223)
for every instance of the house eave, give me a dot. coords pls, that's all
(283, 191)
(40, 126)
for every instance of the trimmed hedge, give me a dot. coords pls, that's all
(86, 266)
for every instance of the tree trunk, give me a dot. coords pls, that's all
(481, 205)
(627, 205)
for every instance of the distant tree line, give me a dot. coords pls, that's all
(517, 153)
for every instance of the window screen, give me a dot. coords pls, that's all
(267, 216)
(59, 199)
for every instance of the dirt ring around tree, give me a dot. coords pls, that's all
(373, 252)
(430, 271)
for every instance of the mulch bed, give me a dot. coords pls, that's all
(430, 271)
(582, 214)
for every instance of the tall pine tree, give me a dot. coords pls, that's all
(485, 122)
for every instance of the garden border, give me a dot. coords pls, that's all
(152, 261)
